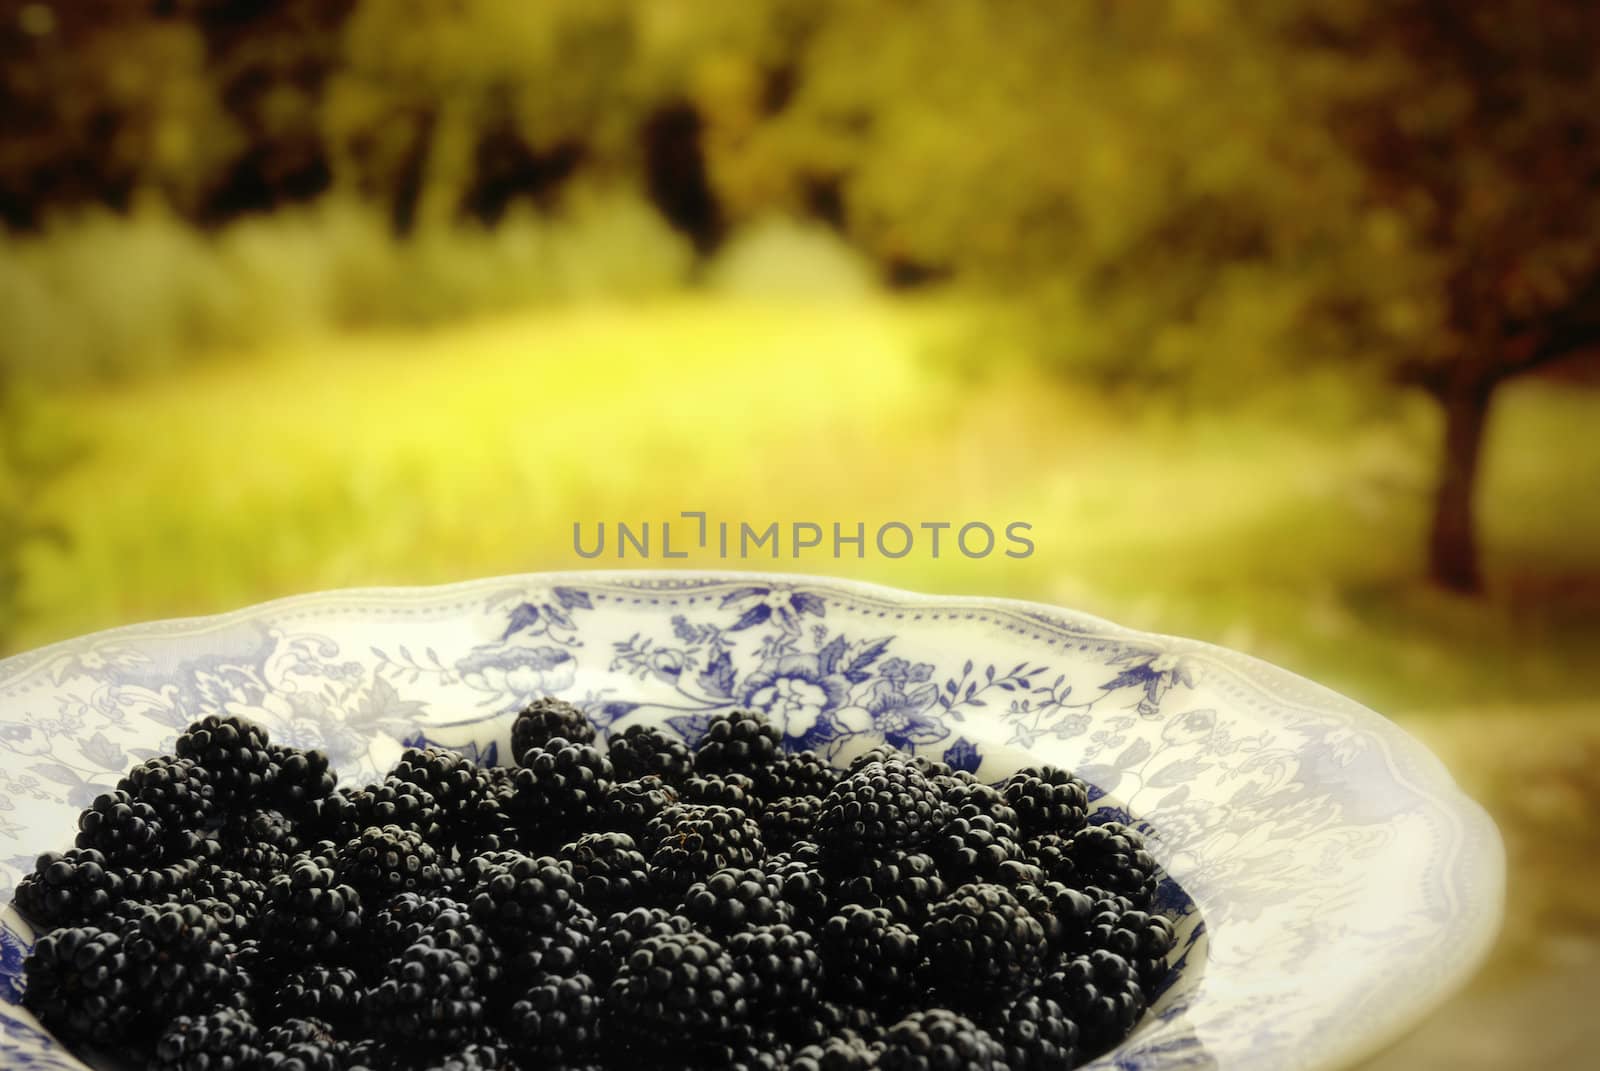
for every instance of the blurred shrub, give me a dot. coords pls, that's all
(100, 295)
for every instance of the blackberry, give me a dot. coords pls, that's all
(802, 885)
(739, 742)
(611, 872)
(301, 777)
(1101, 994)
(328, 993)
(630, 805)
(224, 1040)
(939, 1040)
(736, 791)
(1047, 799)
(967, 797)
(518, 896)
(159, 884)
(123, 830)
(178, 790)
(843, 1053)
(675, 990)
(560, 951)
(788, 819)
(1036, 1034)
(390, 803)
(734, 899)
(427, 994)
(487, 823)
(309, 915)
(555, 1022)
(645, 751)
(1142, 939)
(974, 848)
(798, 773)
(871, 958)
(234, 753)
(981, 943)
(885, 752)
(258, 844)
(448, 776)
(68, 887)
(176, 958)
(781, 967)
(889, 802)
(1113, 857)
(1049, 852)
(618, 933)
(549, 719)
(79, 985)
(303, 1044)
(474, 1056)
(693, 842)
(1062, 911)
(438, 922)
(216, 883)
(385, 860)
(906, 883)
(561, 787)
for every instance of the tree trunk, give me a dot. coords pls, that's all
(1453, 540)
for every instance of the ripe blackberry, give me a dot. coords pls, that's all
(223, 1040)
(519, 897)
(79, 985)
(486, 824)
(329, 993)
(871, 958)
(617, 934)
(301, 778)
(674, 991)
(427, 994)
(473, 1056)
(559, 951)
(555, 1022)
(123, 830)
(549, 719)
(967, 797)
(803, 886)
(1036, 1034)
(1049, 852)
(788, 819)
(560, 788)
(889, 802)
(258, 844)
(234, 752)
(612, 873)
(981, 943)
(630, 805)
(438, 922)
(217, 883)
(1047, 799)
(1101, 994)
(176, 957)
(781, 967)
(68, 887)
(159, 884)
(886, 752)
(906, 883)
(301, 1045)
(646, 751)
(448, 776)
(798, 773)
(973, 848)
(736, 791)
(939, 1040)
(733, 899)
(309, 914)
(843, 1053)
(738, 742)
(1062, 911)
(693, 842)
(177, 789)
(392, 802)
(1113, 857)
(1143, 939)
(385, 860)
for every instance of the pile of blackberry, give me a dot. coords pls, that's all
(639, 903)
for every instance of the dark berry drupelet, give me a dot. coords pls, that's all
(301, 777)
(930, 768)
(646, 751)
(490, 1055)
(967, 797)
(217, 883)
(973, 848)
(738, 742)
(781, 966)
(889, 802)
(788, 820)
(385, 860)
(871, 958)
(177, 958)
(561, 788)
(616, 935)
(1062, 911)
(906, 883)
(427, 994)
(301, 1045)
(235, 754)
(675, 991)
(630, 805)
(1100, 993)
(692, 842)
(561, 950)
(734, 899)
(844, 1053)
(80, 985)
(938, 1039)
(1112, 857)
(329, 993)
(179, 790)
(453, 780)
(555, 1022)
(797, 773)
(258, 844)
(309, 914)
(1047, 799)
(68, 887)
(1141, 938)
(519, 896)
(123, 830)
(392, 802)
(223, 1040)
(611, 872)
(981, 944)
(1035, 1033)
(401, 921)
(803, 886)
(549, 719)
(735, 791)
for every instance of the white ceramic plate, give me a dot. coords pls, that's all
(1338, 884)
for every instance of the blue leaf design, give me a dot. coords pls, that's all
(573, 599)
(718, 678)
(692, 727)
(416, 739)
(523, 617)
(828, 657)
(609, 714)
(557, 616)
(808, 603)
(1128, 678)
(752, 617)
(962, 755)
(868, 655)
(742, 593)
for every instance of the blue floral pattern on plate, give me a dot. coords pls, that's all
(1345, 884)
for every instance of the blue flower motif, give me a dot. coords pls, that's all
(795, 692)
(12, 952)
(889, 713)
(523, 673)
